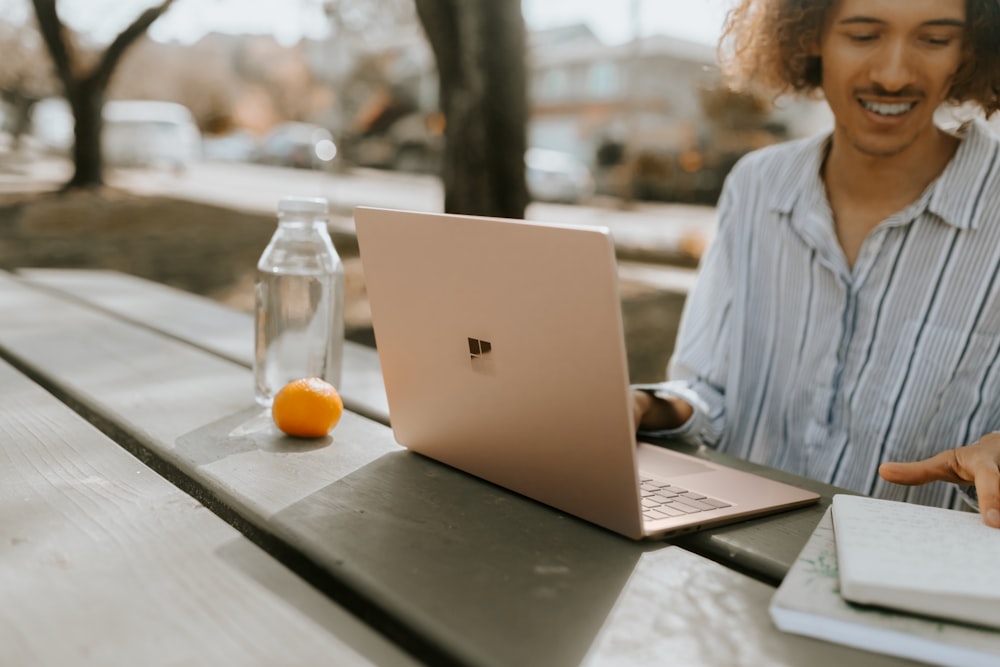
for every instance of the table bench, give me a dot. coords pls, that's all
(449, 568)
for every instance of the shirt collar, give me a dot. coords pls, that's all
(953, 193)
(956, 192)
(804, 183)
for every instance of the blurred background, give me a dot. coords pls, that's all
(155, 137)
(624, 99)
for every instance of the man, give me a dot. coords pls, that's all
(846, 318)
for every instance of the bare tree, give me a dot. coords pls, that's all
(85, 87)
(480, 52)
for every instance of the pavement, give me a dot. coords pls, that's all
(647, 233)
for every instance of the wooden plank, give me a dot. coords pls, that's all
(713, 616)
(205, 323)
(166, 394)
(104, 562)
(459, 571)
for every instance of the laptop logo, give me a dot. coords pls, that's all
(481, 355)
(479, 348)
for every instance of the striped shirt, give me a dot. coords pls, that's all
(795, 360)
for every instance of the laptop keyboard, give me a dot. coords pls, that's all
(661, 500)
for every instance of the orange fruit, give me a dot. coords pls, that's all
(307, 408)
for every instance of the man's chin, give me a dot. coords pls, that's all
(882, 147)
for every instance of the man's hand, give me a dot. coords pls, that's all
(656, 414)
(978, 463)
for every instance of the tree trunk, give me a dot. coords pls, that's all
(87, 103)
(480, 52)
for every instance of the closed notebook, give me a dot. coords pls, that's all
(924, 560)
(808, 602)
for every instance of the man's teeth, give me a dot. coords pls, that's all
(888, 109)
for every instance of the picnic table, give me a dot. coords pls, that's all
(150, 513)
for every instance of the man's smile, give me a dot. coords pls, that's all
(887, 108)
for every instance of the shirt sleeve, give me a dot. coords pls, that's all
(699, 366)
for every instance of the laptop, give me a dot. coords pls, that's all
(502, 351)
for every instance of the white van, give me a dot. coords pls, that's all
(137, 133)
(144, 133)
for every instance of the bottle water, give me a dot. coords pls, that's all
(299, 297)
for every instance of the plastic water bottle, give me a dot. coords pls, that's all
(299, 297)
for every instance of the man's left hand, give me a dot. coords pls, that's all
(978, 463)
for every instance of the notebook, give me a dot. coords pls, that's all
(503, 355)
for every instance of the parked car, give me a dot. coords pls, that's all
(300, 145)
(413, 142)
(234, 146)
(556, 176)
(147, 133)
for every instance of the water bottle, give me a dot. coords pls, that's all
(299, 301)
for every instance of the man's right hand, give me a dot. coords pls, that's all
(652, 413)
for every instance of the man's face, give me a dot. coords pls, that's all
(887, 66)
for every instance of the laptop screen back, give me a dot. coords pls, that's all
(502, 352)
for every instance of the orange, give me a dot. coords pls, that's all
(307, 408)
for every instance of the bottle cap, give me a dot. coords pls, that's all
(316, 205)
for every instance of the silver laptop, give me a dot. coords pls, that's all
(503, 355)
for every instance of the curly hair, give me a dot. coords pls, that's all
(768, 48)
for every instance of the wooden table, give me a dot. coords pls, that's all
(431, 565)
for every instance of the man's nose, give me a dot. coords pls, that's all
(890, 66)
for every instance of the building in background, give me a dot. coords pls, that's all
(650, 116)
